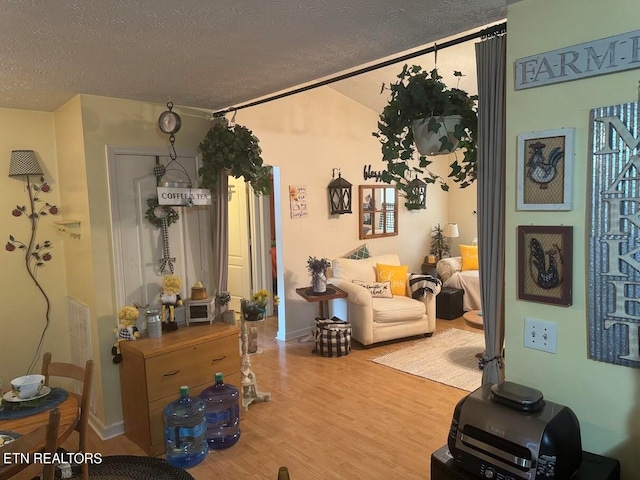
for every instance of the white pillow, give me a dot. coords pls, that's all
(448, 266)
(364, 269)
(377, 289)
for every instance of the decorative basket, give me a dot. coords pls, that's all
(198, 293)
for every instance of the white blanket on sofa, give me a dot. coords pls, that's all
(469, 281)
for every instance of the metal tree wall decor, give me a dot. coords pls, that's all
(614, 235)
(36, 254)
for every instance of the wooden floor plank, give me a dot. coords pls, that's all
(329, 418)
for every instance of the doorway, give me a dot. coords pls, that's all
(137, 245)
(261, 218)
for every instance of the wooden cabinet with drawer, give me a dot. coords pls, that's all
(152, 371)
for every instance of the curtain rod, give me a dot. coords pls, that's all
(484, 33)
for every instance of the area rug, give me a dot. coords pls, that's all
(130, 467)
(448, 357)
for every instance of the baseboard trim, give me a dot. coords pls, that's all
(292, 335)
(104, 432)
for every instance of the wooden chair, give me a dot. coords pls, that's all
(83, 375)
(29, 443)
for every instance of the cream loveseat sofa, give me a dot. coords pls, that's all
(376, 320)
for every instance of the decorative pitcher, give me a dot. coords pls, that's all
(319, 282)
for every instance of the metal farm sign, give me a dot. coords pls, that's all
(598, 57)
(614, 236)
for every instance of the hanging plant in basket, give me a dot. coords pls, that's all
(233, 149)
(421, 103)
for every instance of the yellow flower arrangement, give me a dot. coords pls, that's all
(255, 308)
(261, 298)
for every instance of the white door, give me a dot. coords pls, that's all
(138, 244)
(239, 279)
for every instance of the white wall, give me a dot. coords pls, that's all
(461, 204)
(307, 135)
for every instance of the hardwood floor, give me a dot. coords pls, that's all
(330, 418)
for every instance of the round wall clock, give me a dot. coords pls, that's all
(169, 121)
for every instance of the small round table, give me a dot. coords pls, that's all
(69, 414)
(474, 319)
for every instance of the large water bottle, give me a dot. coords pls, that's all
(222, 413)
(185, 430)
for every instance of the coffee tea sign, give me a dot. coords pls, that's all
(598, 57)
(183, 197)
(614, 236)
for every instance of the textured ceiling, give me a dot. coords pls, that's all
(209, 53)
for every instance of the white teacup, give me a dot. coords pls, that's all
(27, 386)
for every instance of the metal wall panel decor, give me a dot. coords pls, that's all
(614, 237)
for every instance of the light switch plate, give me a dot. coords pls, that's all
(540, 334)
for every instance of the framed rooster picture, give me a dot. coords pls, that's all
(544, 264)
(545, 170)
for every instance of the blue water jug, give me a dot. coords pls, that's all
(185, 429)
(222, 413)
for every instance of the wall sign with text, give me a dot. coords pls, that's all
(298, 201)
(183, 197)
(368, 172)
(614, 236)
(598, 57)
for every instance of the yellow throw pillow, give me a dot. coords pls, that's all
(396, 274)
(469, 257)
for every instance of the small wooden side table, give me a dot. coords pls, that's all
(429, 269)
(332, 293)
(322, 299)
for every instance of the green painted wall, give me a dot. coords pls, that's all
(605, 397)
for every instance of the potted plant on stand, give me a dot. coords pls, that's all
(256, 309)
(233, 150)
(317, 267)
(420, 103)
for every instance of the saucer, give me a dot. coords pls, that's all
(5, 438)
(8, 397)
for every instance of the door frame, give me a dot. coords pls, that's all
(259, 221)
(260, 243)
(111, 153)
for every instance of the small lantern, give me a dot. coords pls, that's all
(339, 194)
(416, 194)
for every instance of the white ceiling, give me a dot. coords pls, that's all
(213, 53)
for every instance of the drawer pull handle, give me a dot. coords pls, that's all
(171, 374)
(219, 359)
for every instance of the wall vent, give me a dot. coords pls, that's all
(80, 339)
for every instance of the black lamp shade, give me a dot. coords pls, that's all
(416, 194)
(340, 196)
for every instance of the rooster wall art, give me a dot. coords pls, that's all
(540, 169)
(546, 275)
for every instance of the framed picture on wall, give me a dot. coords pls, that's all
(545, 264)
(545, 170)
